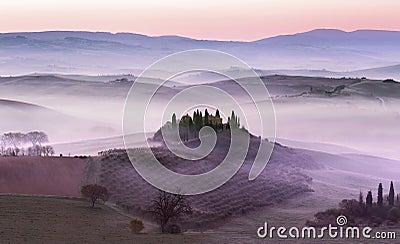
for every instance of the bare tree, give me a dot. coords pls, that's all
(14, 144)
(3, 144)
(38, 150)
(14, 140)
(94, 192)
(168, 206)
(48, 151)
(37, 138)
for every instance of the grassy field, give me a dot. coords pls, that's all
(35, 219)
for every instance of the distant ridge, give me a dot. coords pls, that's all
(106, 36)
(55, 34)
(94, 53)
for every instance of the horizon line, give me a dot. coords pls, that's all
(193, 38)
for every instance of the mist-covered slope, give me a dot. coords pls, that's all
(307, 109)
(23, 117)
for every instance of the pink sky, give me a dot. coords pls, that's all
(207, 19)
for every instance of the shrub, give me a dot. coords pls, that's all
(173, 229)
(352, 208)
(394, 214)
(136, 225)
(389, 81)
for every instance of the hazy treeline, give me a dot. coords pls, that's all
(385, 211)
(29, 144)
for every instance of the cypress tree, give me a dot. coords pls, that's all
(236, 121)
(206, 117)
(391, 194)
(217, 126)
(369, 199)
(191, 125)
(174, 121)
(380, 195)
(233, 120)
(201, 120)
(361, 198)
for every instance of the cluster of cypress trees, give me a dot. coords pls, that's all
(192, 125)
(234, 121)
(379, 203)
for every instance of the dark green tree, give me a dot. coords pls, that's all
(391, 195)
(198, 120)
(218, 126)
(206, 114)
(191, 124)
(174, 121)
(217, 114)
(380, 195)
(369, 199)
(233, 120)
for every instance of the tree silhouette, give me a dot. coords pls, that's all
(48, 151)
(217, 114)
(380, 195)
(206, 117)
(14, 143)
(37, 137)
(174, 121)
(167, 206)
(369, 199)
(391, 194)
(233, 120)
(94, 192)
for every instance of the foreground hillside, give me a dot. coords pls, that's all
(230, 214)
(282, 179)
